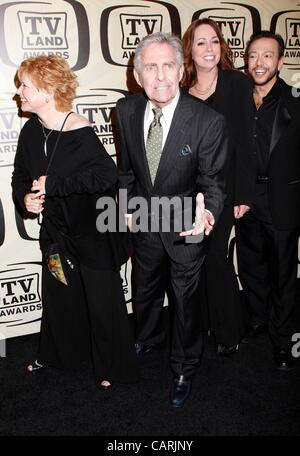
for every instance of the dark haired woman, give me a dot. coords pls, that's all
(210, 75)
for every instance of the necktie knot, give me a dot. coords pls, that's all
(157, 115)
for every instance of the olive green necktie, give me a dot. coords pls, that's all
(154, 143)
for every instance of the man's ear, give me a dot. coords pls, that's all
(181, 70)
(137, 77)
(280, 63)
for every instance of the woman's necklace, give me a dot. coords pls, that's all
(203, 92)
(46, 138)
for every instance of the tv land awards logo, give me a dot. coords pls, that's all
(10, 126)
(98, 106)
(293, 36)
(234, 30)
(122, 27)
(134, 28)
(42, 28)
(44, 31)
(287, 24)
(20, 297)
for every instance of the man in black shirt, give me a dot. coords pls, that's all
(268, 233)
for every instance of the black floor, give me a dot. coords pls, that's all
(240, 396)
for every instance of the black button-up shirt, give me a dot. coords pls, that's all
(264, 118)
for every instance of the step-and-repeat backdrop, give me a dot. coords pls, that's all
(98, 38)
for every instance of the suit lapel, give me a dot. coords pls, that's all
(281, 122)
(137, 122)
(177, 129)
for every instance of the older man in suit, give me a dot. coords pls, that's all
(268, 233)
(172, 146)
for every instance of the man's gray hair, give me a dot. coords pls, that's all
(161, 38)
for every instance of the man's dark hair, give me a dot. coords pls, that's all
(266, 34)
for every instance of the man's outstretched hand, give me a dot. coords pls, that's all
(204, 220)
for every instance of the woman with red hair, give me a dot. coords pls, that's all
(61, 170)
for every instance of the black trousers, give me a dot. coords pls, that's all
(152, 267)
(268, 271)
(226, 312)
(87, 320)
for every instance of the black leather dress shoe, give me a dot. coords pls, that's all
(142, 349)
(284, 360)
(180, 391)
(254, 331)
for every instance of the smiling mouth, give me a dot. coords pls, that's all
(260, 71)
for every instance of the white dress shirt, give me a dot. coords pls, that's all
(165, 120)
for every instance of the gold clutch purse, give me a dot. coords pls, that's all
(58, 264)
(56, 269)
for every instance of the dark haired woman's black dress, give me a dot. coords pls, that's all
(226, 310)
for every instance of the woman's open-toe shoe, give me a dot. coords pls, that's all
(105, 384)
(35, 366)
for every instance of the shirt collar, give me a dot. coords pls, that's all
(167, 111)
